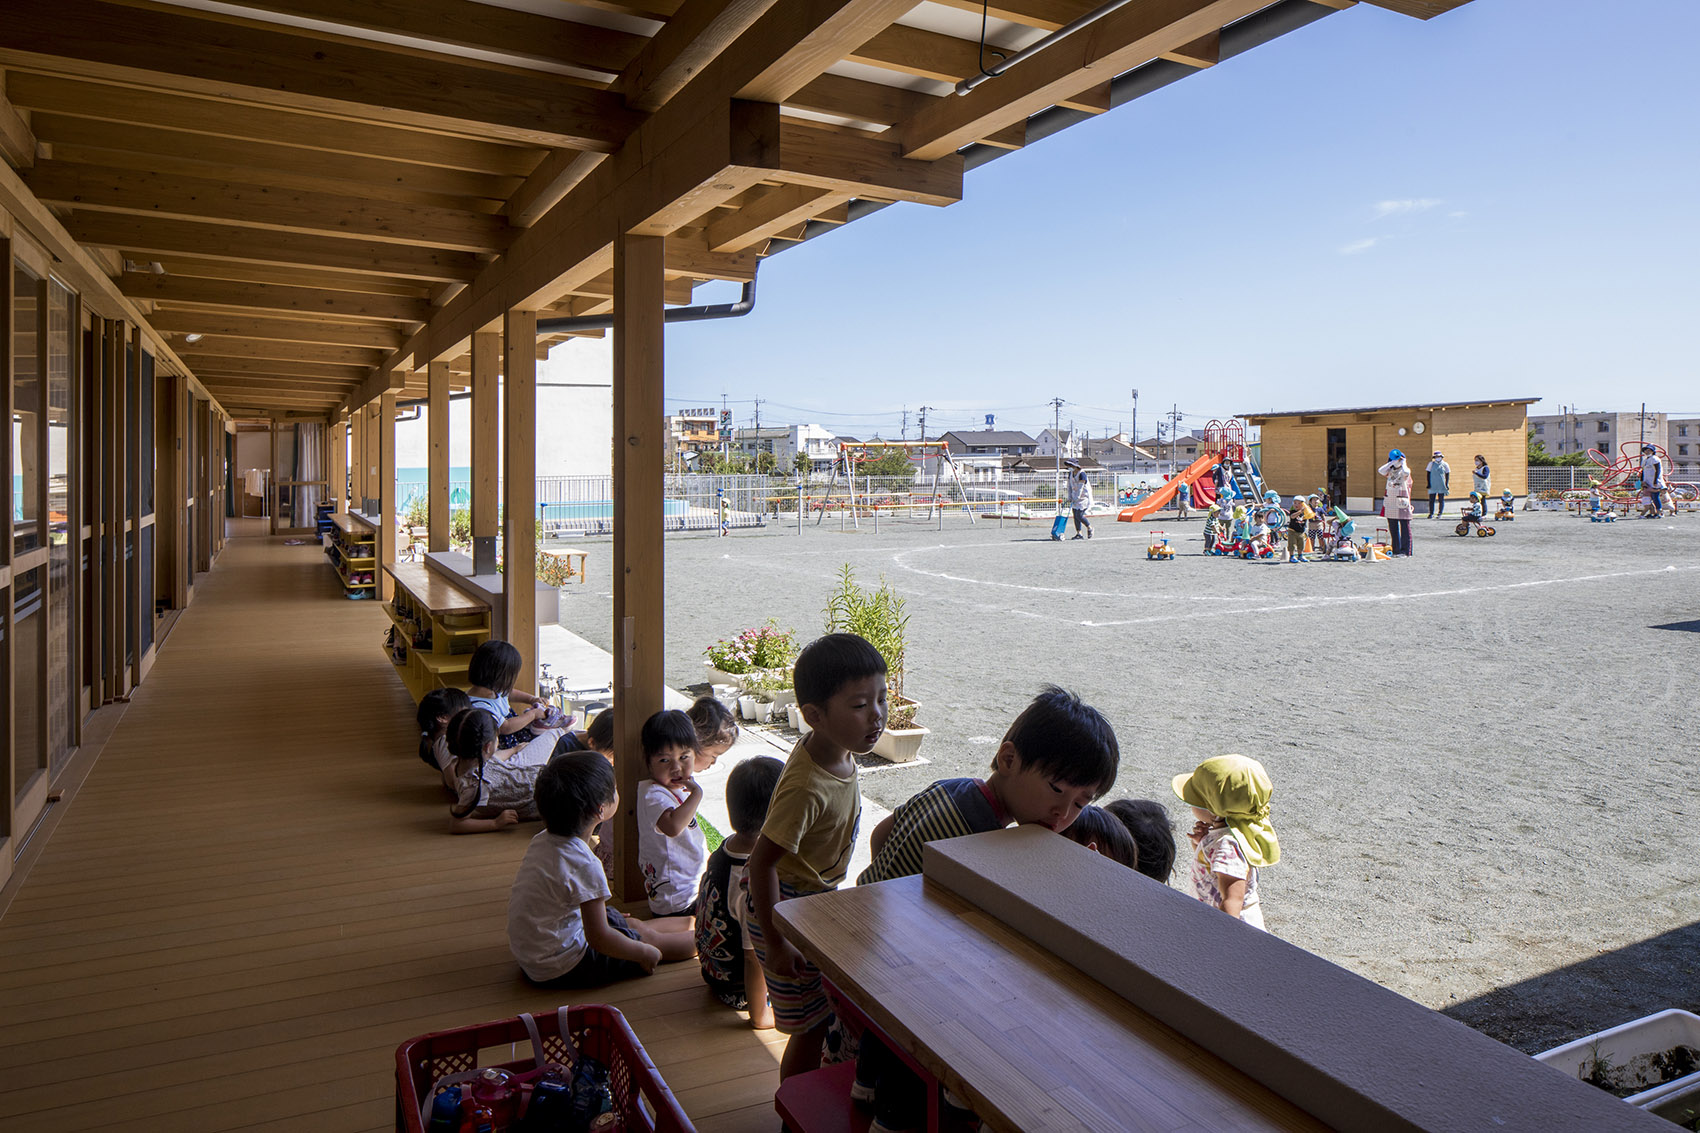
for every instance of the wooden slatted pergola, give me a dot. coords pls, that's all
(309, 209)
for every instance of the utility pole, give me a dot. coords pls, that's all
(726, 429)
(1133, 436)
(906, 423)
(1056, 424)
(1643, 425)
(1174, 434)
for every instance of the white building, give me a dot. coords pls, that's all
(785, 442)
(1065, 443)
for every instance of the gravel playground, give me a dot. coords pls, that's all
(1481, 755)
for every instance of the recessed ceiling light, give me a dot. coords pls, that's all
(191, 339)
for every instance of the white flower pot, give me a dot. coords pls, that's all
(1630, 1048)
(901, 745)
(782, 697)
(794, 716)
(722, 677)
(747, 707)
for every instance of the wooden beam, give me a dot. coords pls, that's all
(220, 364)
(336, 465)
(279, 275)
(486, 456)
(275, 350)
(640, 454)
(264, 207)
(927, 54)
(266, 297)
(1094, 99)
(301, 72)
(802, 38)
(315, 134)
(1205, 51)
(158, 236)
(690, 256)
(864, 166)
(522, 35)
(17, 140)
(316, 387)
(519, 489)
(1120, 41)
(437, 470)
(554, 177)
(1421, 9)
(856, 98)
(777, 209)
(1048, 15)
(698, 32)
(92, 141)
(168, 320)
(241, 398)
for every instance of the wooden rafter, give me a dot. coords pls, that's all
(265, 297)
(174, 320)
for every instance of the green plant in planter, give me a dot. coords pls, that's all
(759, 649)
(878, 616)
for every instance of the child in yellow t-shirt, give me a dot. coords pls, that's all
(810, 829)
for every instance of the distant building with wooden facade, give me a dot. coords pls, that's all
(1340, 450)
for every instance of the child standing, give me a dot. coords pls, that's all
(727, 953)
(560, 928)
(1210, 522)
(671, 846)
(1298, 520)
(806, 842)
(491, 672)
(1232, 837)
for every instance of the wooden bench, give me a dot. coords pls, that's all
(567, 563)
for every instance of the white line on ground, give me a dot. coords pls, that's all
(1333, 600)
(900, 560)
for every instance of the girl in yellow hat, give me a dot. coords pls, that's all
(1232, 838)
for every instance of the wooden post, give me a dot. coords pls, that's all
(8, 646)
(640, 454)
(373, 454)
(386, 494)
(206, 469)
(336, 466)
(437, 477)
(356, 457)
(486, 451)
(140, 450)
(112, 598)
(94, 512)
(519, 489)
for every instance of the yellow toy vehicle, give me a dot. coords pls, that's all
(1159, 547)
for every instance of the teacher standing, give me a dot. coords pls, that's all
(1396, 502)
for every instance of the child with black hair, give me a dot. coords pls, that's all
(717, 730)
(727, 954)
(436, 708)
(1058, 755)
(671, 845)
(1148, 824)
(810, 830)
(1103, 833)
(491, 674)
(493, 788)
(599, 736)
(560, 927)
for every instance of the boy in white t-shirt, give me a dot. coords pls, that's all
(560, 928)
(671, 848)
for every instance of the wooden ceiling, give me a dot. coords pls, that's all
(330, 194)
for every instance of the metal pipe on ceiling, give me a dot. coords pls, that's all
(1033, 49)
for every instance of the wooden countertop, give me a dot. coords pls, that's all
(434, 592)
(1033, 1043)
(352, 525)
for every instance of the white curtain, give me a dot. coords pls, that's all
(309, 465)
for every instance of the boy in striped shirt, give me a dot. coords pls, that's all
(1058, 756)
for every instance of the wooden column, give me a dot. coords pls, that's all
(208, 520)
(93, 489)
(168, 490)
(336, 466)
(386, 493)
(639, 461)
(113, 435)
(138, 449)
(8, 646)
(372, 450)
(437, 477)
(519, 489)
(357, 459)
(486, 450)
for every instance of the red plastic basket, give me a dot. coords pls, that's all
(640, 1096)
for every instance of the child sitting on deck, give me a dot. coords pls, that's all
(436, 709)
(560, 928)
(727, 954)
(493, 789)
(671, 846)
(1232, 838)
(810, 831)
(491, 672)
(717, 730)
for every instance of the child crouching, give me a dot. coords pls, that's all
(559, 926)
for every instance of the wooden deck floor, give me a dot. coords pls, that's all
(253, 900)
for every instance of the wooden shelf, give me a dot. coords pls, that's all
(349, 536)
(423, 600)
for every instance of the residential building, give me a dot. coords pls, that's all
(785, 442)
(1016, 465)
(1179, 451)
(691, 431)
(1682, 445)
(1065, 443)
(990, 442)
(1115, 454)
(1564, 433)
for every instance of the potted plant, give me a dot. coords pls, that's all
(879, 616)
(761, 654)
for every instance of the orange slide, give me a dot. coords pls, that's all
(1160, 498)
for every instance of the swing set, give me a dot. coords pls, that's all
(852, 455)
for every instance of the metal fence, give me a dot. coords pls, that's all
(1561, 479)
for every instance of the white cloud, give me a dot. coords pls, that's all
(1408, 204)
(1357, 246)
(1459, 215)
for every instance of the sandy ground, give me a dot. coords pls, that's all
(1481, 755)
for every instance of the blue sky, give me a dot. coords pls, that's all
(1370, 210)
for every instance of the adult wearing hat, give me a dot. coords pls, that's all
(1439, 483)
(1482, 478)
(1396, 503)
(1079, 498)
(1653, 478)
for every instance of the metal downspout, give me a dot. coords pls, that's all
(701, 313)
